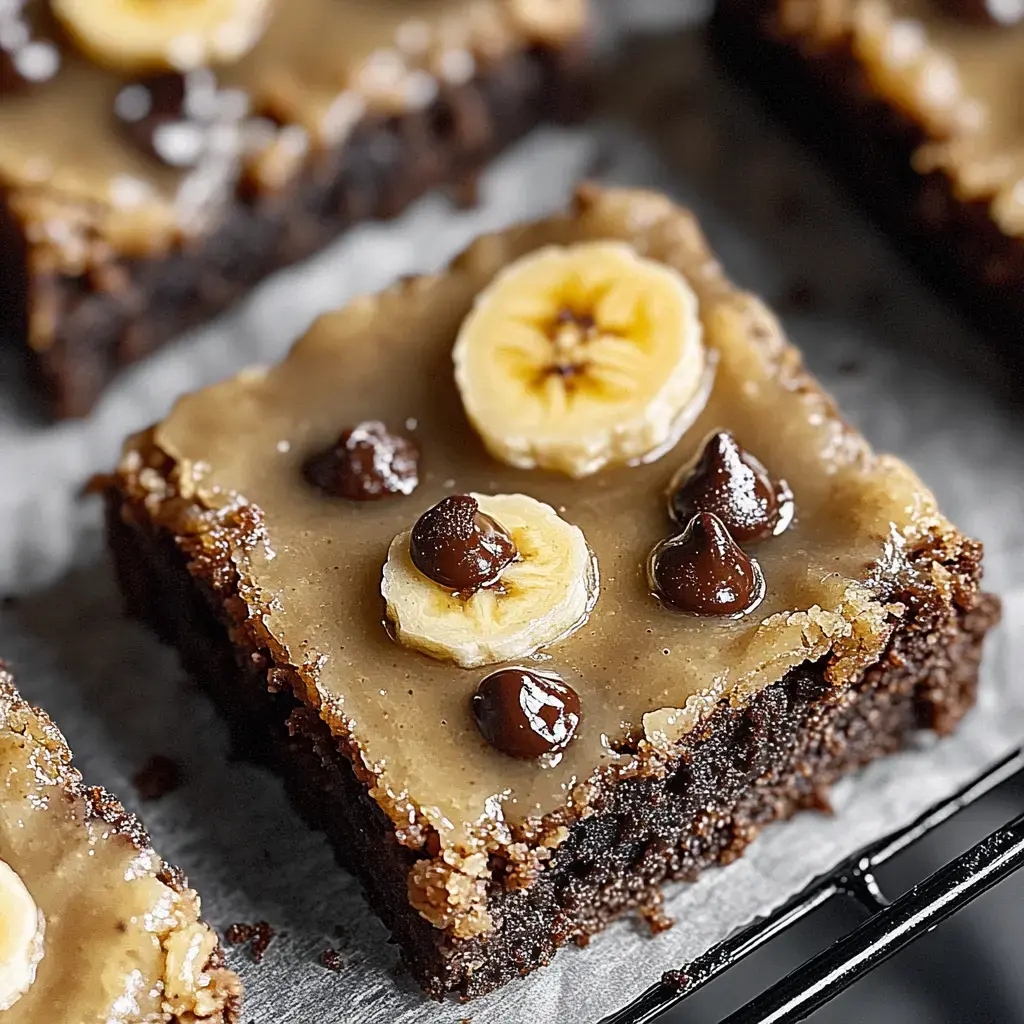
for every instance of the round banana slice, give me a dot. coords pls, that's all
(544, 595)
(21, 937)
(151, 35)
(580, 357)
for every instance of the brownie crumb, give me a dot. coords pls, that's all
(258, 936)
(159, 776)
(465, 194)
(675, 979)
(332, 960)
(657, 920)
(799, 297)
(849, 367)
(9, 600)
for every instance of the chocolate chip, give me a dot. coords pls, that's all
(731, 483)
(987, 12)
(704, 571)
(458, 546)
(366, 463)
(151, 112)
(526, 714)
(27, 57)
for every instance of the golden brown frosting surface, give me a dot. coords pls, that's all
(121, 946)
(320, 65)
(640, 668)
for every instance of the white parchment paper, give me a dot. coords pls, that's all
(903, 368)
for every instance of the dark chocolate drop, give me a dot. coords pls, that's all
(526, 714)
(729, 482)
(365, 463)
(1001, 13)
(29, 56)
(458, 546)
(704, 571)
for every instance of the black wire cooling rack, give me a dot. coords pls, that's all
(888, 927)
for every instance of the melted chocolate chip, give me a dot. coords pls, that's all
(27, 57)
(526, 714)
(458, 546)
(366, 463)
(987, 12)
(704, 571)
(151, 113)
(731, 483)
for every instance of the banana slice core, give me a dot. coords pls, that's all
(583, 356)
(543, 596)
(152, 35)
(21, 937)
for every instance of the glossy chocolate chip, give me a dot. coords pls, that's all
(27, 56)
(365, 463)
(150, 111)
(729, 482)
(458, 546)
(704, 571)
(987, 12)
(526, 714)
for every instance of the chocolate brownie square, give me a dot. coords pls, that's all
(547, 580)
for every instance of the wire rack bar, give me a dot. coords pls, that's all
(889, 928)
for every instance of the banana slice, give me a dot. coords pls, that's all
(544, 595)
(579, 357)
(151, 35)
(21, 937)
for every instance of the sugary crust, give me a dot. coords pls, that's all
(937, 575)
(17, 715)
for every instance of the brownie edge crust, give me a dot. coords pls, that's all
(744, 767)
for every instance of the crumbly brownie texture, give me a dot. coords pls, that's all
(871, 626)
(106, 897)
(911, 107)
(99, 269)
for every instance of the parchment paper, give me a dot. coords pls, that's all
(903, 368)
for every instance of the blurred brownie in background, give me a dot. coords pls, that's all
(916, 103)
(155, 165)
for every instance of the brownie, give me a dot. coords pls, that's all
(118, 933)
(912, 104)
(524, 656)
(143, 194)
